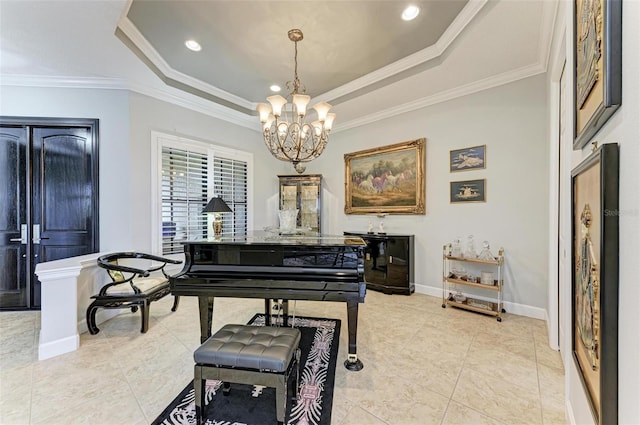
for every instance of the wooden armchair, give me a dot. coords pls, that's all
(131, 287)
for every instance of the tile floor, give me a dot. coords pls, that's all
(423, 365)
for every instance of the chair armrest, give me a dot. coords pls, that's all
(108, 262)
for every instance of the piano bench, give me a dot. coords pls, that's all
(253, 355)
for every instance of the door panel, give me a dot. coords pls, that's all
(49, 181)
(62, 195)
(13, 208)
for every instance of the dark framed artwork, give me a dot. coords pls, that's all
(597, 54)
(472, 158)
(594, 282)
(468, 191)
(386, 180)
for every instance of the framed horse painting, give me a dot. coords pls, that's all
(386, 180)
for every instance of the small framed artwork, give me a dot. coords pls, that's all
(472, 158)
(468, 191)
(386, 180)
(597, 54)
(594, 280)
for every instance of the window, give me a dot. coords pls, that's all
(189, 174)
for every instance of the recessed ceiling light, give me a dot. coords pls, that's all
(193, 45)
(275, 88)
(410, 12)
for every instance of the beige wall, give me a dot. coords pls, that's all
(511, 121)
(111, 107)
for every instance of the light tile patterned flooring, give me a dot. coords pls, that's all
(423, 365)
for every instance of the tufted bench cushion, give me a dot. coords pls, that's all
(243, 354)
(250, 347)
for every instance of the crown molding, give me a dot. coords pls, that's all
(463, 19)
(232, 116)
(550, 12)
(477, 86)
(54, 81)
(198, 104)
(151, 54)
(191, 102)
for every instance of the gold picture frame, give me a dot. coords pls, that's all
(598, 65)
(386, 180)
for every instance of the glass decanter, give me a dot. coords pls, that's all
(470, 252)
(485, 253)
(456, 248)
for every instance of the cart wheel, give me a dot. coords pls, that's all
(499, 319)
(444, 305)
(504, 311)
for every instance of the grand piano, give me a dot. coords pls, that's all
(275, 267)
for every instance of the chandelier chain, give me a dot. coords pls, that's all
(295, 86)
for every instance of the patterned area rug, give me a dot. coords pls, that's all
(255, 405)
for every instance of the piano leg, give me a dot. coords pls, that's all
(206, 317)
(285, 313)
(267, 311)
(353, 363)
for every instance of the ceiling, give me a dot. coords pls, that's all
(360, 56)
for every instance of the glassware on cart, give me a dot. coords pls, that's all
(459, 297)
(487, 278)
(458, 273)
(456, 248)
(470, 251)
(486, 254)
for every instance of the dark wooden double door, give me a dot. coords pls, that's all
(48, 200)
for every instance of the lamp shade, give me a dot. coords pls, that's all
(216, 205)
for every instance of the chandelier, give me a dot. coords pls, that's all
(288, 136)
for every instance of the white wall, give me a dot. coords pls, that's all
(512, 121)
(126, 121)
(623, 128)
(111, 107)
(149, 114)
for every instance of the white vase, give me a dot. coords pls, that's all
(288, 219)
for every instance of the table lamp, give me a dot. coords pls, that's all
(217, 206)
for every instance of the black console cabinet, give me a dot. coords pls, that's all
(388, 262)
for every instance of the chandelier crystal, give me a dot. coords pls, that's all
(287, 134)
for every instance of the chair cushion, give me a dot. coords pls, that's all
(144, 284)
(252, 347)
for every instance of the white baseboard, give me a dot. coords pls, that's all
(568, 413)
(512, 308)
(72, 343)
(61, 346)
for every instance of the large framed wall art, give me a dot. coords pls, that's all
(594, 283)
(598, 65)
(386, 180)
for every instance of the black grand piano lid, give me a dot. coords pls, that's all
(263, 238)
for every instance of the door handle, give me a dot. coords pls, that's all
(23, 235)
(36, 234)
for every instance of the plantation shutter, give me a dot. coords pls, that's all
(190, 178)
(184, 196)
(230, 183)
